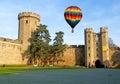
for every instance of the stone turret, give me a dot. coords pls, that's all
(96, 47)
(104, 45)
(89, 46)
(28, 23)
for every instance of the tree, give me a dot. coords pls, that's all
(40, 48)
(59, 38)
(111, 43)
(58, 46)
(42, 34)
(116, 59)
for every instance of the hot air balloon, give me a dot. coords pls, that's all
(73, 15)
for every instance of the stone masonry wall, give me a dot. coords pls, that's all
(10, 53)
(73, 56)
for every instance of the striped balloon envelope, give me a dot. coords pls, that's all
(73, 15)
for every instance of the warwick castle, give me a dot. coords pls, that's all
(96, 48)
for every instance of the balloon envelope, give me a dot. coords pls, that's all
(73, 15)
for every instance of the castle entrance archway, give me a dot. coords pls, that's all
(97, 64)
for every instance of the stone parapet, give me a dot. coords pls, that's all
(8, 40)
(103, 29)
(5, 44)
(10, 53)
(90, 30)
(28, 14)
(75, 46)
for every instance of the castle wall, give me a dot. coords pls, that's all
(73, 56)
(10, 53)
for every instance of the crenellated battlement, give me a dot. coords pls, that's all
(9, 40)
(28, 14)
(90, 30)
(10, 53)
(6, 45)
(103, 29)
(75, 46)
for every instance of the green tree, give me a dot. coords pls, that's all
(58, 47)
(112, 45)
(40, 49)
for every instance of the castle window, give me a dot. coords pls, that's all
(89, 54)
(26, 21)
(88, 48)
(88, 41)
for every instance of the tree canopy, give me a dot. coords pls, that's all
(39, 48)
(58, 46)
(41, 52)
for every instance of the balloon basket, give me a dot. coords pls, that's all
(72, 31)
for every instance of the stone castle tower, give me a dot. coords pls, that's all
(96, 47)
(28, 23)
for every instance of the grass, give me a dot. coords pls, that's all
(9, 69)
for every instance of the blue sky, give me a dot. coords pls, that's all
(96, 14)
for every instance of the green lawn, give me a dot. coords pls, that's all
(9, 70)
(14, 69)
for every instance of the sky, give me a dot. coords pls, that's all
(96, 14)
